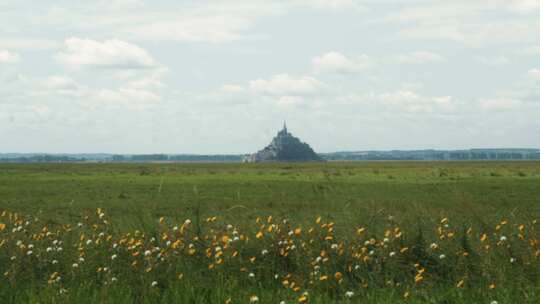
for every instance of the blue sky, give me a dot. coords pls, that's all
(134, 76)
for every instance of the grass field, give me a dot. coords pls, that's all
(366, 232)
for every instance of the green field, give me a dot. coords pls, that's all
(383, 226)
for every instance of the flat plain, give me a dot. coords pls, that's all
(358, 232)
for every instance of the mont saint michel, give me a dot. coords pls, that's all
(284, 147)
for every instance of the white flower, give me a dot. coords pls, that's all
(175, 228)
(291, 233)
(55, 242)
(54, 262)
(318, 259)
(101, 234)
(81, 259)
(168, 243)
(147, 252)
(88, 242)
(372, 252)
(59, 249)
(19, 243)
(442, 256)
(114, 279)
(386, 240)
(494, 302)
(264, 252)
(154, 284)
(29, 252)
(229, 227)
(101, 215)
(512, 260)
(503, 238)
(153, 239)
(349, 294)
(251, 275)
(187, 222)
(75, 265)
(276, 276)
(30, 246)
(235, 239)
(218, 248)
(366, 243)
(356, 267)
(114, 246)
(391, 254)
(334, 246)
(253, 299)
(113, 257)
(293, 247)
(105, 269)
(282, 302)
(49, 249)
(79, 224)
(13, 258)
(433, 246)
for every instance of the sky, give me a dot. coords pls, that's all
(213, 77)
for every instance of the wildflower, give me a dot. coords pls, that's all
(49, 249)
(55, 242)
(433, 246)
(512, 260)
(13, 258)
(19, 243)
(29, 252)
(253, 299)
(338, 275)
(79, 224)
(30, 246)
(349, 294)
(113, 257)
(334, 246)
(494, 302)
(81, 260)
(391, 254)
(59, 249)
(187, 222)
(54, 262)
(282, 302)
(75, 265)
(442, 257)
(264, 252)
(503, 238)
(154, 284)
(147, 253)
(251, 275)
(386, 240)
(88, 242)
(114, 279)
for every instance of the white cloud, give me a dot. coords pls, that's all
(523, 6)
(9, 57)
(495, 61)
(211, 29)
(534, 74)
(532, 50)
(60, 83)
(419, 57)
(335, 62)
(25, 43)
(284, 84)
(113, 54)
(499, 104)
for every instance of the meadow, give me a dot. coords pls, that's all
(343, 232)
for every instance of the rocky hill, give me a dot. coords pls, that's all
(285, 147)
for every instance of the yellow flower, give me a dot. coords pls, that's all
(259, 234)
(338, 275)
(460, 284)
(2, 226)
